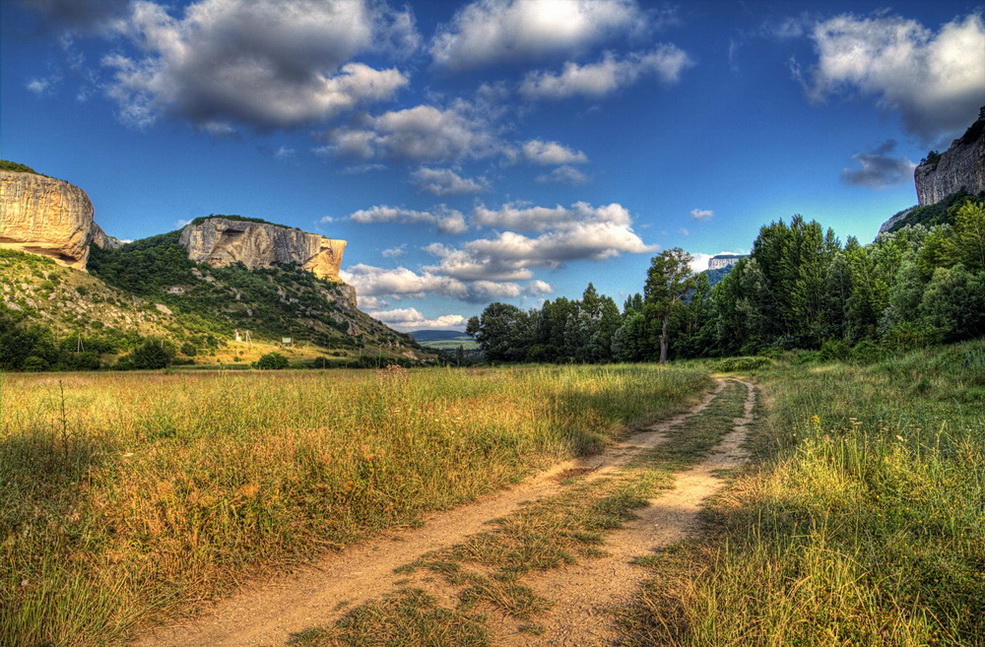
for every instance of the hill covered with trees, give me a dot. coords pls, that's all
(146, 300)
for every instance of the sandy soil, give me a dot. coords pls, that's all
(266, 613)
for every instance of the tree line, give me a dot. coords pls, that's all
(800, 288)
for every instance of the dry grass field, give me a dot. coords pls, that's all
(127, 498)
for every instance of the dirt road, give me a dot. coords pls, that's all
(269, 612)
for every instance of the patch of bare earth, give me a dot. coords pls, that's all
(266, 613)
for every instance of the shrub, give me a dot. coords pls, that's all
(273, 361)
(865, 352)
(731, 364)
(834, 350)
(35, 364)
(153, 354)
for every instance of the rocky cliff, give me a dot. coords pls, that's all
(222, 241)
(961, 167)
(45, 216)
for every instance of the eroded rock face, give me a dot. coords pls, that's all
(222, 241)
(962, 166)
(45, 216)
(102, 240)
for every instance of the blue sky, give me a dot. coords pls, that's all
(498, 150)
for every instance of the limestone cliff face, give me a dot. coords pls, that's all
(222, 241)
(45, 216)
(102, 240)
(962, 166)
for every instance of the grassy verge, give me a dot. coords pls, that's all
(123, 498)
(863, 525)
(484, 576)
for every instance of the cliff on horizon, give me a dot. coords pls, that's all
(960, 168)
(221, 241)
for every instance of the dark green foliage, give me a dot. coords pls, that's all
(144, 267)
(503, 331)
(668, 280)
(272, 303)
(800, 294)
(25, 347)
(272, 361)
(562, 331)
(32, 347)
(932, 159)
(941, 213)
(715, 276)
(152, 354)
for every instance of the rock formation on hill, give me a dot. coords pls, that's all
(222, 241)
(45, 216)
(961, 167)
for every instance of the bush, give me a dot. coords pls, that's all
(834, 350)
(35, 364)
(273, 361)
(732, 364)
(865, 352)
(153, 354)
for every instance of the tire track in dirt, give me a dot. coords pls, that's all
(587, 595)
(267, 612)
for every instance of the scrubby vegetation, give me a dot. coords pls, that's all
(931, 215)
(15, 167)
(198, 221)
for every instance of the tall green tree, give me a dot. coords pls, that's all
(667, 281)
(503, 331)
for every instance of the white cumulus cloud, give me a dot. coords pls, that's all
(702, 214)
(494, 31)
(447, 220)
(544, 153)
(410, 319)
(596, 80)
(445, 181)
(564, 175)
(534, 218)
(263, 63)
(581, 232)
(423, 134)
(378, 281)
(934, 79)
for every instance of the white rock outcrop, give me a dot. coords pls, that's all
(221, 241)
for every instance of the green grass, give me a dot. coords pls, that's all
(126, 497)
(863, 525)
